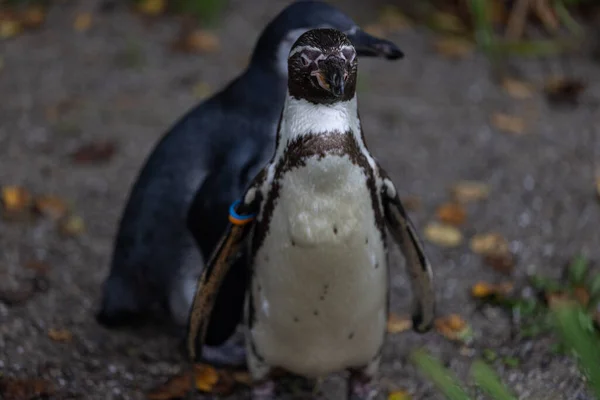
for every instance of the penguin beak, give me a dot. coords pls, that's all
(331, 76)
(370, 46)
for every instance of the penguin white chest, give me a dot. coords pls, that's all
(320, 285)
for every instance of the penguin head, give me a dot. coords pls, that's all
(276, 40)
(322, 67)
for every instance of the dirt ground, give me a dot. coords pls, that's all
(426, 118)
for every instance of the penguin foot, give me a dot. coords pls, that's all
(264, 390)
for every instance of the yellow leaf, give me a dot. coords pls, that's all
(206, 377)
(197, 41)
(33, 17)
(484, 289)
(51, 206)
(9, 28)
(517, 89)
(72, 226)
(399, 395)
(467, 191)
(443, 235)
(60, 335)
(396, 324)
(453, 47)
(451, 213)
(82, 22)
(15, 198)
(508, 123)
(453, 327)
(152, 7)
(489, 243)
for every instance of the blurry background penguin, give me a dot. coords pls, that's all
(195, 172)
(314, 221)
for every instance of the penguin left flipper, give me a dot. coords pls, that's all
(224, 256)
(418, 266)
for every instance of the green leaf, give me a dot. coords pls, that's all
(594, 287)
(578, 270)
(443, 378)
(488, 380)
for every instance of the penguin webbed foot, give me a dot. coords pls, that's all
(362, 387)
(264, 390)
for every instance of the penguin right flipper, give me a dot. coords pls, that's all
(418, 266)
(224, 256)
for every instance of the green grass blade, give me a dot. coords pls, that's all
(488, 380)
(443, 378)
(584, 342)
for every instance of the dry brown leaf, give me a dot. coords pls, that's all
(152, 7)
(453, 47)
(397, 324)
(581, 295)
(508, 123)
(517, 89)
(206, 378)
(96, 152)
(60, 335)
(242, 377)
(399, 395)
(453, 327)
(557, 298)
(451, 213)
(489, 243)
(33, 17)
(543, 10)
(375, 29)
(560, 89)
(37, 266)
(28, 388)
(83, 22)
(447, 22)
(443, 235)
(9, 28)
(197, 41)
(72, 225)
(51, 206)
(484, 289)
(468, 191)
(501, 262)
(15, 199)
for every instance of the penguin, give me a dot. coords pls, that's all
(313, 228)
(203, 163)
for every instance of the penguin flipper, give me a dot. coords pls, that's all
(224, 256)
(418, 266)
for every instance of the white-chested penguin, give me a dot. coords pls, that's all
(200, 166)
(314, 221)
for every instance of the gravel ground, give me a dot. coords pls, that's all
(426, 119)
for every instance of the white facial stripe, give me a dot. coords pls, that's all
(301, 49)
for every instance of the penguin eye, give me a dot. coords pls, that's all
(305, 60)
(348, 53)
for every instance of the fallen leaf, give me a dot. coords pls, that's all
(447, 22)
(489, 243)
(72, 225)
(468, 191)
(517, 89)
(581, 295)
(197, 41)
(60, 335)
(375, 30)
(453, 327)
(453, 47)
(51, 206)
(546, 14)
(563, 90)
(502, 262)
(95, 152)
(396, 324)
(242, 377)
(451, 213)
(483, 289)
(206, 378)
(201, 90)
(508, 123)
(15, 199)
(28, 388)
(151, 7)
(411, 203)
(33, 17)
(443, 235)
(399, 395)
(555, 299)
(9, 28)
(83, 22)
(392, 19)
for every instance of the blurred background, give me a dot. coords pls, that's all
(489, 127)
